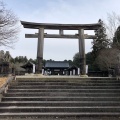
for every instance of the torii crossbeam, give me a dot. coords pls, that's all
(61, 27)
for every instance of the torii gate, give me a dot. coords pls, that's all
(61, 27)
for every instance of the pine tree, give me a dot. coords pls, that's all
(101, 41)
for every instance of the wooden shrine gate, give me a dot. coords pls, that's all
(61, 27)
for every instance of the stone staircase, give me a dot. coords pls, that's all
(61, 98)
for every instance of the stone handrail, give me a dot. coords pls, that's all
(4, 88)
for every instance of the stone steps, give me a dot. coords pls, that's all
(61, 97)
(57, 98)
(61, 78)
(60, 115)
(62, 87)
(60, 109)
(76, 84)
(67, 90)
(68, 82)
(35, 94)
(60, 103)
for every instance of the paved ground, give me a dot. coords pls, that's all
(54, 76)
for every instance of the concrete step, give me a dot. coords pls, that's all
(59, 103)
(66, 118)
(66, 78)
(35, 94)
(72, 81)
(67, 90)
(77, 84)
(60, 114)
(45, 82)
(71, 109)
(62, 87)
(57, 98)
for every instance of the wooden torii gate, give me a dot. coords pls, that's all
(61, 27)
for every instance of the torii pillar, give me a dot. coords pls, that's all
(81, 43)
(40, 50)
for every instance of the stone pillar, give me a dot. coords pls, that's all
(78, 71)
(40, 50)
(61, 32)
(73, 71)
(33, 69)
(42, 71)
(82, 52)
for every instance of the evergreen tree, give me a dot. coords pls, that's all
(101, 41)
(25, 59)
(116, 39)
(16, 59)
(44, 62)
(12, 60)
(76, 60)
(90, 61)
(34, 61)
(70, 62)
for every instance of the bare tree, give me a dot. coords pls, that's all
(8, 26)
(108, 58)
(113, 21)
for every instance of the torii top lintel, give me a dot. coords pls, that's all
(33, 25)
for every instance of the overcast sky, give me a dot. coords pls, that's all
(57, 11)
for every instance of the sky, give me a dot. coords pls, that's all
(57, 11)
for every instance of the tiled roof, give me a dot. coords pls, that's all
(56, 64)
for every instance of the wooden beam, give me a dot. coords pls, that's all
(60, 36)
